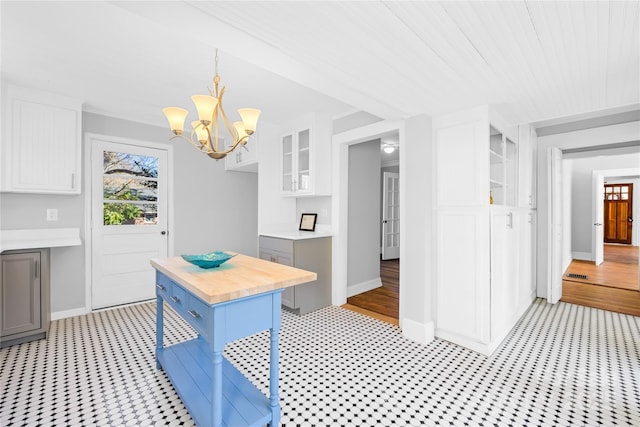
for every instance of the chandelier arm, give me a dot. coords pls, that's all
(195, 142)
(225, 120)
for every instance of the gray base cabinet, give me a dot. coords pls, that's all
(24, 296)
(308, 254)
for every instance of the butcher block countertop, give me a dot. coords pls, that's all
(239, 277)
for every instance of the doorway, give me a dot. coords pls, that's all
(341, 148)
(383, 301)
(129, 215)
(618, 213)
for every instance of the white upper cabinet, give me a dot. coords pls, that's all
(503, 164)
(244, 159)
(41, 147)
(476, 159)
(305, 159)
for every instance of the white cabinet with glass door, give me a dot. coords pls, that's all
(305, 156)
(502, 168)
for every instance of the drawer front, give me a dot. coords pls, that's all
(197, 314)
(163, 285)
(177, 297)
(281, 245)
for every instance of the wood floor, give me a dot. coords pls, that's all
(383, 302)
(613, 285)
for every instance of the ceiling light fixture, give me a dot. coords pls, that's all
(387, 148)
(205, 133)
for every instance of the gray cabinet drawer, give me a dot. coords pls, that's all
(275, 244)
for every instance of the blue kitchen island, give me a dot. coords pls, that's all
(240, 298)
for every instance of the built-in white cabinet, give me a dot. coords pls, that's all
(245, 158)
(305, 159)
(312, 254)
(484, 241)
(41, 148)
(24, 296)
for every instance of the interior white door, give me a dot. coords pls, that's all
(129, 220)
(554, 194)
(391, 215)
(597, 235)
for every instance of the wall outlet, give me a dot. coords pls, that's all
(52, 214)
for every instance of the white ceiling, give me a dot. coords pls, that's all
(535, 61)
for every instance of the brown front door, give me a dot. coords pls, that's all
(617, 213)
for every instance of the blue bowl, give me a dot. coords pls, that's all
(210, 260)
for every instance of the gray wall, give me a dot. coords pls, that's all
(364, 213)
(213, 209)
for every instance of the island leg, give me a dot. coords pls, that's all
(216, 392)
(159, 329)
(274, 400)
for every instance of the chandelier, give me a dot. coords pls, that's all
(211, 117)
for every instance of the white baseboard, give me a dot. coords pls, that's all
(422, 333)
(363, 287)
(583, 256)
(68, 313)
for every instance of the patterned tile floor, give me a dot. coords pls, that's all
(562, 365)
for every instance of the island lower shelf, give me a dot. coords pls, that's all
(188, 365)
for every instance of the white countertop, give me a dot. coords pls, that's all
(39, 238)
(292, 233)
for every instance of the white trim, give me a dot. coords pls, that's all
(582, 256)
(422, 333)
(363, 287)
(88, 140)
(68, 313)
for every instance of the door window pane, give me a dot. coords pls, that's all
(129, 189)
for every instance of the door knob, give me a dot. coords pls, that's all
(384, 221)
(163, 232)
(629, 219)
(597, 224)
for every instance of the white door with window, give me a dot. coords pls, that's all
(128, 220)
(390, 215)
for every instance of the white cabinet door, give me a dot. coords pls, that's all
(504, 261)
(297, 174)
(287, 171)
(527, 142)
(463, 277)
(42, 147)
(244, 158)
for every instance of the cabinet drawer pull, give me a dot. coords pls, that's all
(175, 299)
(161, 287)
(36, 270)
(194, 314)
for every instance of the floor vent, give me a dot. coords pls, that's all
(578, 276)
